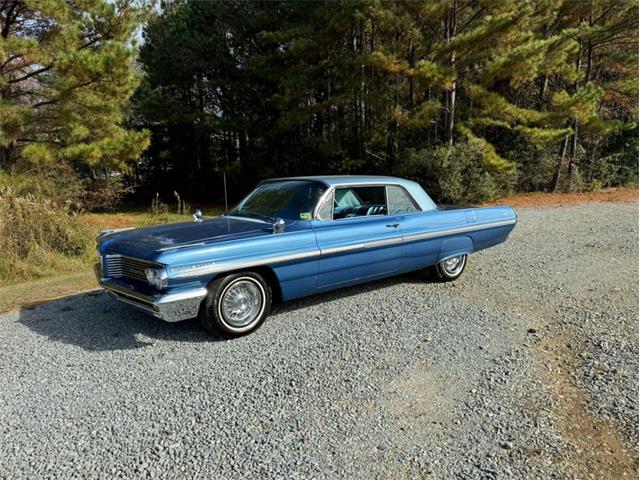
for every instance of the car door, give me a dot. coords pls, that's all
(358, 241)
(423, 232)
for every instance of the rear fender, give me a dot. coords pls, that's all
(451, 247)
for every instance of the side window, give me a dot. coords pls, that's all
(326, 209)
(400, 201)
(359, 202)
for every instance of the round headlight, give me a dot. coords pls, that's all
(156, 277)
(150, 273)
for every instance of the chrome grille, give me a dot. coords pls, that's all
(117, 266)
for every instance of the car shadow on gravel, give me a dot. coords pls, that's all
(96, 321)
(346, 292)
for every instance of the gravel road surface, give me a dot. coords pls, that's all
(526, 367)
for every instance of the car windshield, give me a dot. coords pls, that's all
(287, 199)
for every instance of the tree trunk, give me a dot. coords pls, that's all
(556, 175)
(452, 111)
(587, 75)
(574, 139)
(542, 106)
(574, 151)
(412, 64)
(451, 33)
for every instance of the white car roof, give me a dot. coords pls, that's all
(414, 189)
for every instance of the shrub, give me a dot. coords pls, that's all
(66, 189)
(59, 183)
(103, 194)
(38, 237)
(611, 171)
(457, 174)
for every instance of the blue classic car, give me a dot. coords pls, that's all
(292, 237)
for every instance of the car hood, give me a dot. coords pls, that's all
(149, 242)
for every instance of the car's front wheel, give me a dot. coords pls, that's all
(449, 269)
(236, 304)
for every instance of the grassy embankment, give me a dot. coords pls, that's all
(67, 274)
(64, 274)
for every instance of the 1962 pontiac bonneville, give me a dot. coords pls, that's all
(288, 238)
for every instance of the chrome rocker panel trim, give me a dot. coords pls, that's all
(170, 307)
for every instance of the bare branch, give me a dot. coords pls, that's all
(475, 16)
(31, 74)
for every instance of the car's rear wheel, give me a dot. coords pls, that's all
(236, 304)
(449, 269)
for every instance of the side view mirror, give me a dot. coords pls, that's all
(278, 225)
(197, 216)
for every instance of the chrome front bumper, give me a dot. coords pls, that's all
(170, 307)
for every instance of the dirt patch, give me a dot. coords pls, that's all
(538, 199)
(110, 220)
(596, 449)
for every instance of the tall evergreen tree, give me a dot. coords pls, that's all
(512, 87)
(66, 74)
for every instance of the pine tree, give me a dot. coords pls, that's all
(284, 88)
(66, 74)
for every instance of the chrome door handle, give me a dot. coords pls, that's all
(393, 225)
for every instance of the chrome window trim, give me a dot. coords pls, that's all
(321, 203)
(321, 200)
(356, 185)
(286, 179)
(411, 199)
(386, 199)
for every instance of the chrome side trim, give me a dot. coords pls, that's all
(225, 267)
(342, 249)
(246, 263)
(384, 241)
(111, 231)
(462, 229)
(176, 247)
(362, 245)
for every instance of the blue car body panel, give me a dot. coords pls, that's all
(309, 256)
(342, 262)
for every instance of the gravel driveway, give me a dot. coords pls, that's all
(526, 367)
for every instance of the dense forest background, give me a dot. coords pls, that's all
(473, 98)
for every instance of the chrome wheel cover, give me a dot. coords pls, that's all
(242, 302)
(453, 266)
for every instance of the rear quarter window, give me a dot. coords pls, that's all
(400, 201)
